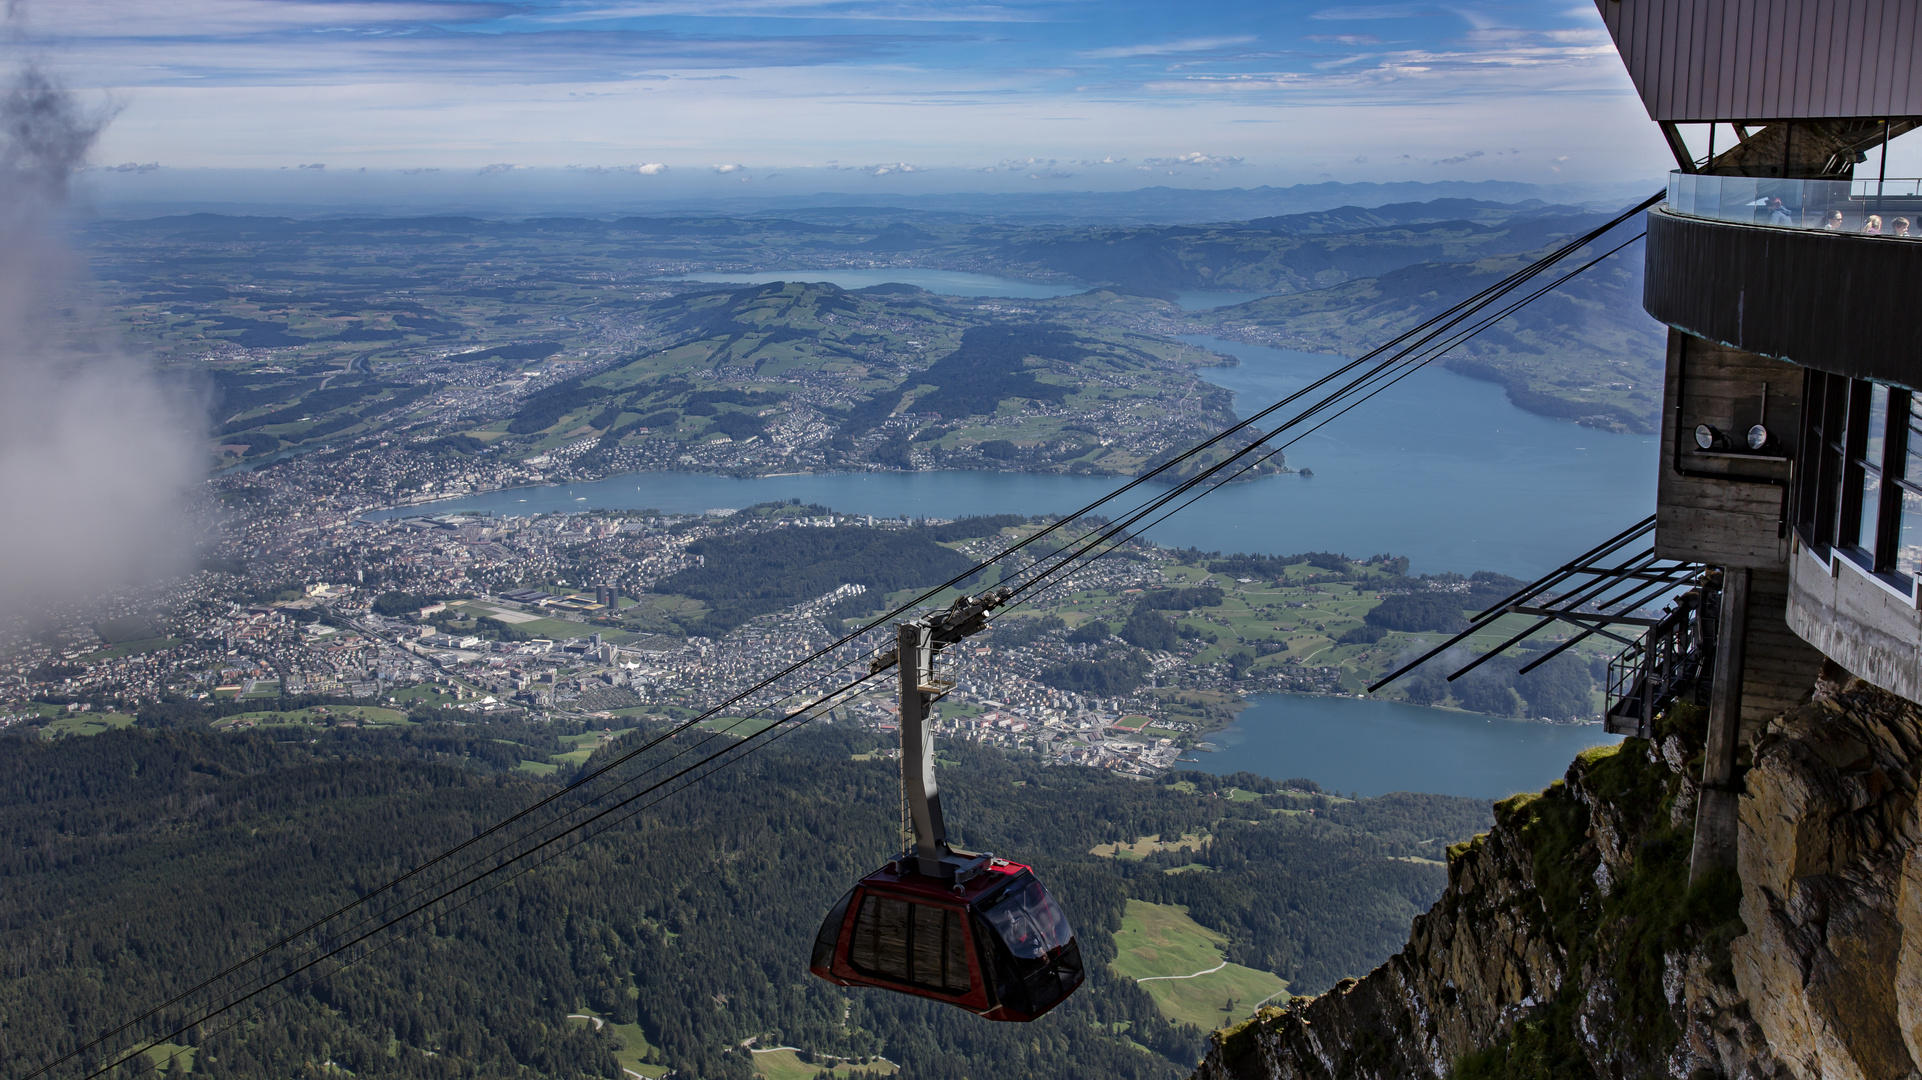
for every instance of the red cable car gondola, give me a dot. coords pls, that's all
(969, 930)
(995, 944)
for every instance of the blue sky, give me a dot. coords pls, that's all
(1112, 94)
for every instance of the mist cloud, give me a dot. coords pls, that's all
(97, 456)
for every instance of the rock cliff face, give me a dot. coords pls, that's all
(1569, 943)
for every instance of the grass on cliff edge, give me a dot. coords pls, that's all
(1648, 913)
(1161, 944)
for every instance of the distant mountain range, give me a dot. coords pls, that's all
(550, 192)
(427, 290)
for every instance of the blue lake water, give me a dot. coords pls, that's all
(945, 282)
(1440, 468)
(1373, 747)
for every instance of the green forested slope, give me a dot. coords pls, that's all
(134, 862)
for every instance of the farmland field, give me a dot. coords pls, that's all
(1180, 963)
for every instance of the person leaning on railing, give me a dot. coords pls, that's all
(1872, 225)
(1833, 221)
(1901, 227)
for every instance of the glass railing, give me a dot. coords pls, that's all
(1887, 208)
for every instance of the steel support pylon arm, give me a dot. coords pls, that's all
(915, 651)
(915, 644)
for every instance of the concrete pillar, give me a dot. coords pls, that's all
(1715, 808)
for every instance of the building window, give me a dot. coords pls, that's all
(1858, 485)
(1908, 492)
(1818, 474)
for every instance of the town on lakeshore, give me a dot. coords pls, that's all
(625, 618)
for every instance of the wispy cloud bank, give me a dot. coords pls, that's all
(1165, 48)
(96, 455)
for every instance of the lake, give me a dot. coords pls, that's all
(945, 282)
(1440, 468)
(1374, 747)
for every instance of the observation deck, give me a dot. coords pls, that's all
(1817, 272)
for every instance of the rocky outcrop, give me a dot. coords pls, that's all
(1831, 965)
(1569, 943)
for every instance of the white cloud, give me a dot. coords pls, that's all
(900, 11)
(652, 168)
(725, 169)
(1164, 48)
(235, 18)
(1375, 11)
(1194, 158)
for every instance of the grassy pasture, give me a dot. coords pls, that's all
(169, 1057)
(131, 648)
(735, 725)
(1165, 951)
(320, 714)
(585, 745)
(85, 724)
(631, 1045)
(1148, 845)
(787, 1065)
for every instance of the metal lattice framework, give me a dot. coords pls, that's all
(1610, 585)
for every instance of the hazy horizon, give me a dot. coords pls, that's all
(549, 192)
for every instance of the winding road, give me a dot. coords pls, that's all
(1196, 975)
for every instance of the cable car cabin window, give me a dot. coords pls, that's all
(919, 944)
(824, 942)
(1028, 922)
(1037, 961)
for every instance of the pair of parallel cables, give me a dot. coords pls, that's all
(570, 816)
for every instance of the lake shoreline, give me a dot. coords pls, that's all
(1345, 743)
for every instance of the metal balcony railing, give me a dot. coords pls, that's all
(1887, 208)
(1675, 657)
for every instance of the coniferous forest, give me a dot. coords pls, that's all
(138, 861)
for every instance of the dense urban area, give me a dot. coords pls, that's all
(618, 617)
